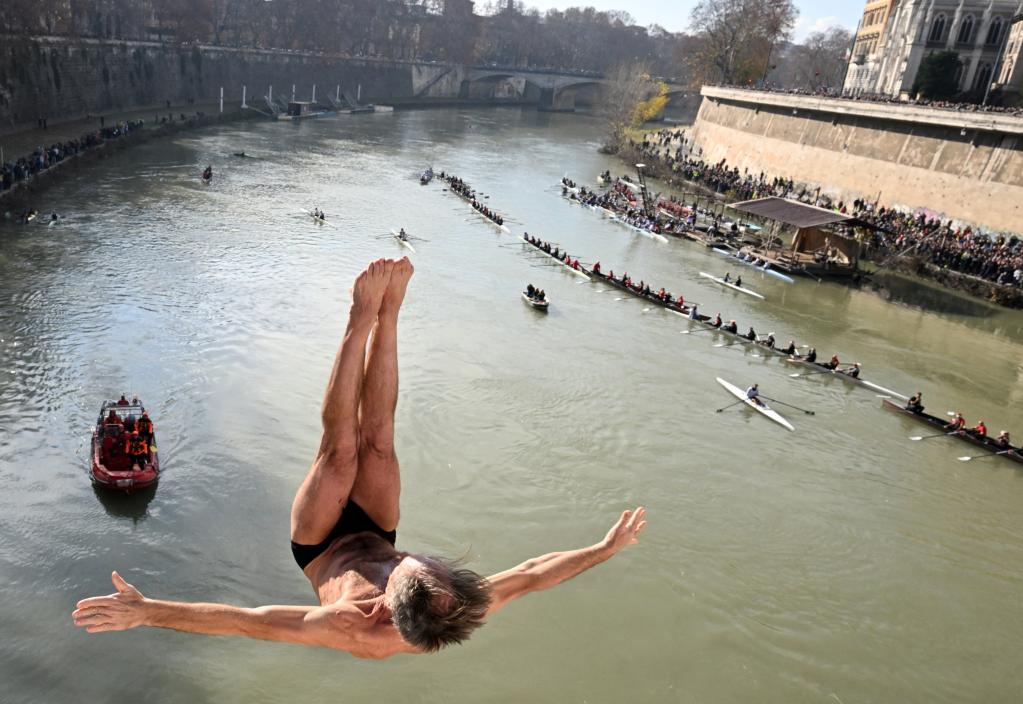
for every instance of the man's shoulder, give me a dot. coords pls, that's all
(345, 626)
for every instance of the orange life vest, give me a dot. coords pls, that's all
(144, 425)
(136, 446)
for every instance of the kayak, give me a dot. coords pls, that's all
(761, 407)
(402, 241)
(730, 285)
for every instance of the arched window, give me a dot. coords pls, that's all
(937, 29)
(994, 32)
(983, 78)
(966, 31)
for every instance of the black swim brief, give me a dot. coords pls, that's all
(353, 520)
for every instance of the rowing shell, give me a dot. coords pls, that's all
(499, 226)
(730, 285)
(575, 271)
(535, 304)
(765, 409)
(401, 241)
(940, 424)
(319, 220)
(777, 274)
(848, 377)
(646, 233)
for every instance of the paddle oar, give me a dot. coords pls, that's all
(917, 438)
(774, 400)
(730, 405)
(693, 332)
(980, 457)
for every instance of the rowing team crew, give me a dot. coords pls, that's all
(536, 294)
(319, 214)
(485, 211)
(402, 235)
(567, 182)
(555, 252)
(466, 191)
(728, 280)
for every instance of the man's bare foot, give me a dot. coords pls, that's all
(395, 294)
(369, 288)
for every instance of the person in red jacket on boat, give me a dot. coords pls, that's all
(374, 601)
(137, 450)
(956, 424)
(980, 430)
(123, 401)
(112, 418)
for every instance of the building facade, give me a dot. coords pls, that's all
(1010, 72)
(868, 47)
(976, 30)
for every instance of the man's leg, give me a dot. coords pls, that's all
(325, 490)
(378, 484)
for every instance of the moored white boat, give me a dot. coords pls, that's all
(730, 285)
(761, 407)
(765, 268)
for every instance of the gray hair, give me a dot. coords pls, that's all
(439, 605)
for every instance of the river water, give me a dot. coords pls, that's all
(839, 563)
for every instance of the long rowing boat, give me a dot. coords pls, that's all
(581, 271)
(764, 269)
(639, 230)
(1014, 453)
(317, 218)
(403, 241)
(730, 285)
(673, 306)
(761, 407)
(572, 195)
(823, 368)
(500, 226)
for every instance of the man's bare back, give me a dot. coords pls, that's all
(375, 601)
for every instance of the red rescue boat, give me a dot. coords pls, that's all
(123, 458)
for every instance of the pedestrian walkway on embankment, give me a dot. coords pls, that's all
(158, 121)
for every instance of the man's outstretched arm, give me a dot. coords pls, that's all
(127, 608)
(554, 568)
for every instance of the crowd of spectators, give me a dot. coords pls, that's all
(838, 94)
(997, 258)
(43, 158)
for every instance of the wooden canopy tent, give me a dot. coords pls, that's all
(815, 250)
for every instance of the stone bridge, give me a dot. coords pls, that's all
(552, 90)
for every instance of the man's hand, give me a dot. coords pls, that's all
(626, 531)
(554, 568)
(116, 612)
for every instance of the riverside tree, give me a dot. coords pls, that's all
(631, 97)
(738, 37)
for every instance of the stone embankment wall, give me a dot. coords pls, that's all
(64, 78)
(963, 166)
